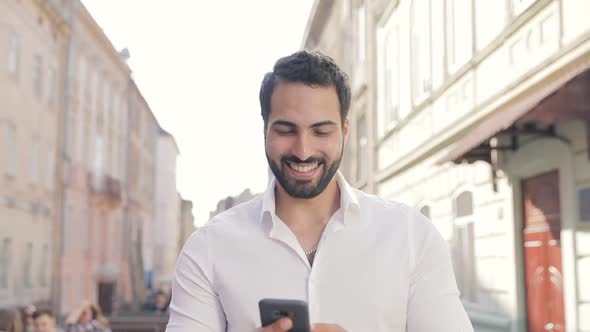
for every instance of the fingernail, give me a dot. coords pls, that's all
(285, 324)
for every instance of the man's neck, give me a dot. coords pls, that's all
(312, 212)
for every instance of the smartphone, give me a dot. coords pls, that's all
(272, 310)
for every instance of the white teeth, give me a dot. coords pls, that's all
(303, 169)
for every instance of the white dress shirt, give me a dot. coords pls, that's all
(379, 266)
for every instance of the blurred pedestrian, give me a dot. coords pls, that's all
(11, 320)
(28, 322)
(87, 318)
(161, 302)
(44, 321)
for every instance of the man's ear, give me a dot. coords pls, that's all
(346, 128)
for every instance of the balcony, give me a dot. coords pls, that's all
(106, 190)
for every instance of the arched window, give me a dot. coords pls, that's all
(464, 204)
(463, 246)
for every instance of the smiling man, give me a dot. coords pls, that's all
(360, 262)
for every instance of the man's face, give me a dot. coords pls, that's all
(161, 301)
(86, 315)
(304, 137)
(44, 323)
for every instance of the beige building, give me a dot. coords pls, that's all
(78, 151)
(187, 221)
(231, 201)
(166, 225)
(92, 265)
(477, 113)
(141, 191)
(33, 36)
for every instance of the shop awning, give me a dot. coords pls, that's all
(559, 100)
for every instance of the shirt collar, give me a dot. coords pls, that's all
(349, 203)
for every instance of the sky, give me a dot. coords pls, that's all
(199, 64)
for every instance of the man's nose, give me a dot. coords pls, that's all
(302, 148)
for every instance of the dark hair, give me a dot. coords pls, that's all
(40, 312)
(311, 68)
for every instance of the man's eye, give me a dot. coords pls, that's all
(322, 133)
(284, 132)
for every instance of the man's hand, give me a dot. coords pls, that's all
(281, 325)
(326, 328)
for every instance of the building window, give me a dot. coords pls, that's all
(37, 75)
(98, 155)
(106, 95)
(28, 266)
(9, 148)
(34, 167)
(14, 53)
(50, 176)
(362, 150)
(51, 85)
(459, 33)
(463, 247)
(425, 210)
(464, 205)
(361, 33)
(390, 83)
(44, 266)
(5, 255)
(82, 86)
(421, 49)
(584, 203)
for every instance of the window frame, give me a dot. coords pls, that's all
(360, 54)
(5, 255)
(14, 54)
(421, 85)
(28, 266)
(464, 259)
(10, 147)
(37, 76)
(35, 161)
(51, 92)
(455, 60)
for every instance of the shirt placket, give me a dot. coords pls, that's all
(313, 283)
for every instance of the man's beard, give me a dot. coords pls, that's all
(305, 189)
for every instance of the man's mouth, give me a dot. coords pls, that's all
(303, 167)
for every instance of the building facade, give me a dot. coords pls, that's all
(77, 164)
(91, 262)
(231, 201)
(33, 36)
(187, 221)
(141, 175)
(166, 226)
(477, 113)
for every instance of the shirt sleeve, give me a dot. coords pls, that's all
(433, 302)
(195, 306)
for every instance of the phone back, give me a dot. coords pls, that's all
(274, 309)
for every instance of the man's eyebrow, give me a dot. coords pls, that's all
(292, 125)
(323, 123)
(283, 123)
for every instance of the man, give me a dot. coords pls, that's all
(44, 321)
(360, 262)
(87, 318)
(161, 302)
